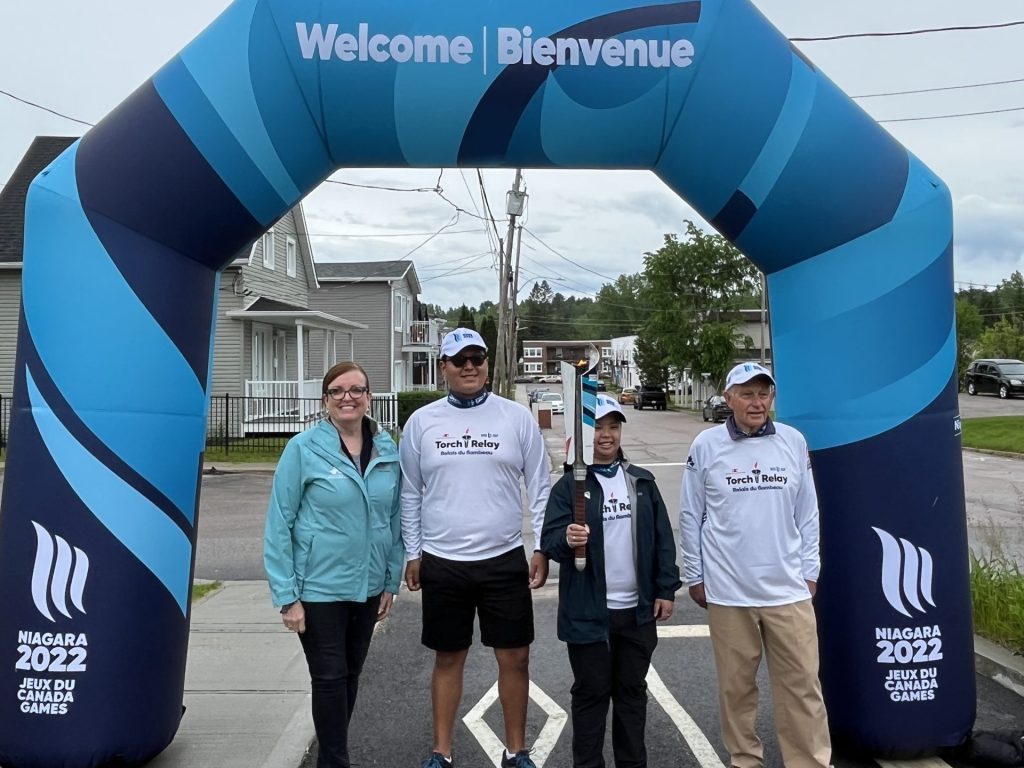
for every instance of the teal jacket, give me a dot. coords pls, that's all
(333, 534)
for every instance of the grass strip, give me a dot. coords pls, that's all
(995, 433)
(202, 589)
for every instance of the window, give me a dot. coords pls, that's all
(290, 262)
(606, 352)
(268, 249)
(532, 368)
(531, 352)
(400, 308)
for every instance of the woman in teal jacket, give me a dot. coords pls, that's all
(333, 547)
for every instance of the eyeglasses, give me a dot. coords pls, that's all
(337, 393)
(477, 359)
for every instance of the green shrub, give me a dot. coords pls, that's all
(997, 590)
(410, 401)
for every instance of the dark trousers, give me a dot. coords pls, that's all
(336, 641)
(616, 672)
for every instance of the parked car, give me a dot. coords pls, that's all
(998, 376)
(627, 396)
(523, 379)
(550, 379)
(716, 409)
(650, 396)
(555, 398)
(534, 394)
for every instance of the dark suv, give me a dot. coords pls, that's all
(650, 396)
(1000, 376)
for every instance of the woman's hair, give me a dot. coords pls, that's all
(338, 369)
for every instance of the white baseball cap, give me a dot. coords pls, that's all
(606, 405)
(457, 340)
(744, 372)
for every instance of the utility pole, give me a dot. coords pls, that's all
(513, 318)
(513, 207)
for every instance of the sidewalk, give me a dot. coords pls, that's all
(247, 699)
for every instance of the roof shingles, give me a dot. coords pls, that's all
(42, 152)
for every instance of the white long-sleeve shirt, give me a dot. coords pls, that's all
(748, 519)
(461, 497)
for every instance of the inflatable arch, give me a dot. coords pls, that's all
(126, 232)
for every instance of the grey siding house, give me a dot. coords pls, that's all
(271, 349)
(400, 349)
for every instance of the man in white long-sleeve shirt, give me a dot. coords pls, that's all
(462, 459)
(748, 527)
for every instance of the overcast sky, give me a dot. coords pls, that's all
(82, 59)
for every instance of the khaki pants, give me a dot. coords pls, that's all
(789, 637)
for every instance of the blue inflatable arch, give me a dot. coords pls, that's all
(128, 229)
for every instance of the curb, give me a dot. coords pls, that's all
(999, 665)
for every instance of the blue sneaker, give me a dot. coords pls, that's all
(520, 759)
(437, 760)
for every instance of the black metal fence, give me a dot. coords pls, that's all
(253, 424)
(5, 422)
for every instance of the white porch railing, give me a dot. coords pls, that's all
(384, 409)
(299, 400)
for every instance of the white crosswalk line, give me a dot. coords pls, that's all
(924, 762)
(492, 744)
(684, 630)
(694, 736)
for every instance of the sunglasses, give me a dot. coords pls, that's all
(477, 359)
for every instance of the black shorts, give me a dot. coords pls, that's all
(454, 591)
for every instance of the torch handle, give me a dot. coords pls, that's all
(580, 518)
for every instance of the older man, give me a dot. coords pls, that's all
(462, 522)
(748, 528)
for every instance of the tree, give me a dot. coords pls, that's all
(1004, 339)
(691, 286)
(650, 360)
(489, 333)
(466, 319)
(618, 309)
(535, 313)
(969, 326)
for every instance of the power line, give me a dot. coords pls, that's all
(956, 114)
(905, 33)
(395, 234)
(941, 88)
(45, 109)
(381, 187)
(566, 258)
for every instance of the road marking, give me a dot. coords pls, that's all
(695, 738)
(493, 746)
(684, 630)
(925, 762)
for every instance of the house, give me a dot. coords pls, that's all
(271, 348)
(544, 358)
(753, 342)
(400, 349)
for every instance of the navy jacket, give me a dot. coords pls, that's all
(582, 596)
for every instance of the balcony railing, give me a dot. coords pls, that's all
(422, 332)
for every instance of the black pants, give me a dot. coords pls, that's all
(336, 641)
(614, 671)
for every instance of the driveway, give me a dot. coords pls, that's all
(990, 405)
